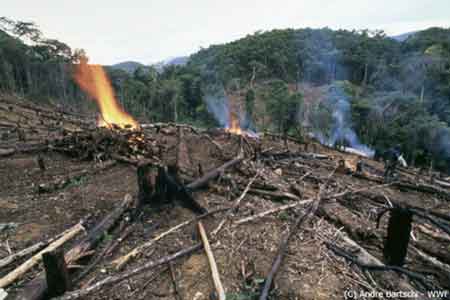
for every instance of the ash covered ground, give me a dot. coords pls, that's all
(88, 173)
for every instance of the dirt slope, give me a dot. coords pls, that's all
(34, 200)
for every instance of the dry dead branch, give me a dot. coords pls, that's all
(23, 268)
(212, 263)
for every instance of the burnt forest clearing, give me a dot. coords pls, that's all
(287, 164)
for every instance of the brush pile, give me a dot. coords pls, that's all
(172, 211)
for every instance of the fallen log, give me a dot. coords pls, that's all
(429, 215)
(377, 267)
(362, 258)
(307, 201)
(23, 268)
(7, 152)
(213, 174)
(419, 187)
(37, 287)
(433, 261)
(125, 275)
(274, 195)
(443, 184)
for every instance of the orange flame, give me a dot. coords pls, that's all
(95, 82)
(234, 127)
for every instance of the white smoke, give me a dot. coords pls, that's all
(341, 131)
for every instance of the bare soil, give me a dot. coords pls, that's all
(245, 252)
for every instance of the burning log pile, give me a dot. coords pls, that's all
(210, 212)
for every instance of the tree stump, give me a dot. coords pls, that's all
(146, 177)
(56, 274)
(399, 229)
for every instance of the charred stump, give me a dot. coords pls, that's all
(160, 186)
(170, 189)
(56, 273)
(399, 229)
(41, 163)
(146, 177)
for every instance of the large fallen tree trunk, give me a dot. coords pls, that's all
(37, 288)
(419, 187)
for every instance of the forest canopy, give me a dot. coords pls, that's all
(394, 92)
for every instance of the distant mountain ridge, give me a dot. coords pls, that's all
(128, 66)
(131, 66)
(404, 36)
(175, 61)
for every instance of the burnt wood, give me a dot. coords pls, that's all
(399, 230)
(37, 288)
(56, 273)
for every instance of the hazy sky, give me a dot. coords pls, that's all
(149, 31)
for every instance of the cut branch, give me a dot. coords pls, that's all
(110, 280)
(36, 288)
(23, 268)
(285, 241)
(213, 174)
(121, 261)
(212, 263)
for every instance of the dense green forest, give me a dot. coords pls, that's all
(361, 88)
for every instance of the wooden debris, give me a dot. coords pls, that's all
(30, 250)
(121, 261)
(213, 174)
(311, 210)
(7, 152)
(56, 273)
(307, 201)
(110, 280)
(37, 287)
(212, 263)
(23, 268)
(235, 205)
(277, 196)
(3, 294)
(174, 281)
(106, 250)
(399, 230)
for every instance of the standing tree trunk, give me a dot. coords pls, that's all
(366, 67)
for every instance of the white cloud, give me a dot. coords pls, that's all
(149, 31)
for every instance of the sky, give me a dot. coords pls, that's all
(150, 31)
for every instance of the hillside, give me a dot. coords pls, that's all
(374, 92)
(339, 248)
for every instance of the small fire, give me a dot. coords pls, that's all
(95, 82)
(234, 127)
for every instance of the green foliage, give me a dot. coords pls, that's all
(250, 97)
(399, 91)
(282, 105)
